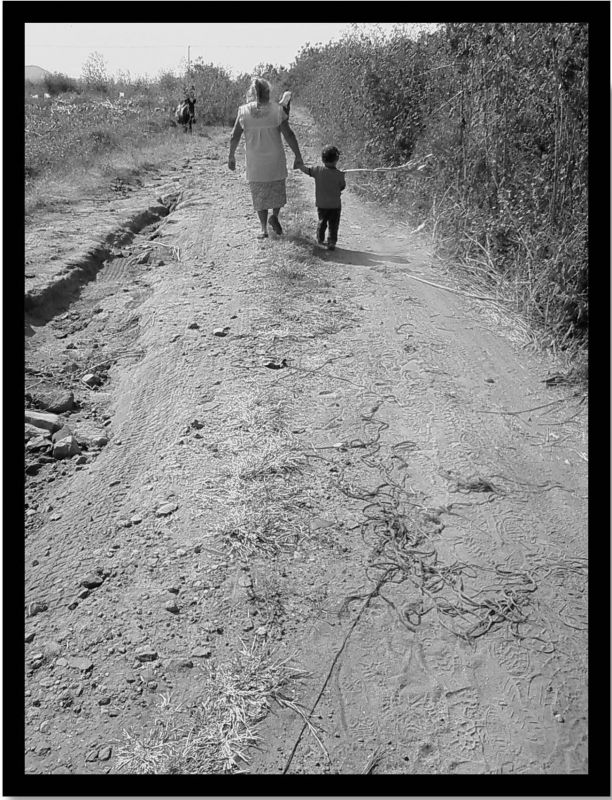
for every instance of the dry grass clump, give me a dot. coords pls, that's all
(213, 733)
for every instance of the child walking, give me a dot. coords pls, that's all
(329, 183)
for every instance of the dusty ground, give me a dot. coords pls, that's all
(318, 501)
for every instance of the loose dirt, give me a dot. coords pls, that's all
(320, 505)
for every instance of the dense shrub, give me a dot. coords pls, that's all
(503, 108)
(57, 83)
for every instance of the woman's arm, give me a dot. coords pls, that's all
(291, 140)
(235, 138)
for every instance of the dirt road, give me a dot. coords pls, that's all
(319, 502)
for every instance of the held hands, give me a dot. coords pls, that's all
(231, 163)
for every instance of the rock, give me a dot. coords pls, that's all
(38, 443)
(91, 379)
(261, 631)
(43, 419)
(201, 652)
(66, 447)
(81, 460)
(29, 636)
(104, 700)
(136, 519)
(172, 607)
(193, 326)
(37, 607)
(92, 580)
(173, 589)
(166, 509)
(57, 403)
(245, 581)
(83, 664)
(181, 663)
(196, 424)
(100, 441)
(61, 662)
(63, 433)
(83, 594)
(248, 626)
(92, 755)
(52, 649)
(32, 431)
(146, 654)
(105, 753)
(221, 331)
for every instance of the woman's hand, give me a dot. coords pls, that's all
(231, 163)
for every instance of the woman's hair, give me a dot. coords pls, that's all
(259, 90)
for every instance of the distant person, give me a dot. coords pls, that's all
(263, 122)
(285, 102)
(329, 184)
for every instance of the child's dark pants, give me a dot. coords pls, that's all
(328, 217)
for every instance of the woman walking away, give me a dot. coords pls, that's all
(263, 122)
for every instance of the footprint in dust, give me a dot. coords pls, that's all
(415, 678)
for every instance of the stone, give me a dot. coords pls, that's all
(80, 663)
(52, 649)
(63, 432)
(43, 419)
(92, 755)
(57, 403)
(66, 447)
(31, 431)
(92, 580)
(221, 331)
(146, 654)
(165, 509)
(245, 581)
(37, 607)
(201, 652)
(105, 753)
(136, 519)
(181, 663)
(261, 631)
(172, 607)
(193, 326)
(173, 589)
(100, 441)
(29, 636)
(91, 379)
(38, 443)
(104, 700)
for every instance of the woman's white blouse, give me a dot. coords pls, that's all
(265, 154)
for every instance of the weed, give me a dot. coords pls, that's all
(213, 733)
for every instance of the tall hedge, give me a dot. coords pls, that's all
(503, 108)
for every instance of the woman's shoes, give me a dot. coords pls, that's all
(262, 235)
(275, 224)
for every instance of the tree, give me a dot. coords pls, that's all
(94, 73)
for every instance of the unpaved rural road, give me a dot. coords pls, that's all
(289, 453)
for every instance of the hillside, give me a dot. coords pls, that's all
(34, 73)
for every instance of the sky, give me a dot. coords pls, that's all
(149, 48)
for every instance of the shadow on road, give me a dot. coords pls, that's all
(359, 258)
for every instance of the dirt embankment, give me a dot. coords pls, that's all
(313, 499)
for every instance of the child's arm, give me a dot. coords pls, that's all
(299, 164)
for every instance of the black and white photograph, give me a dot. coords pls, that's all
(306, 384)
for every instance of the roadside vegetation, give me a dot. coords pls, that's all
(503, 108)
